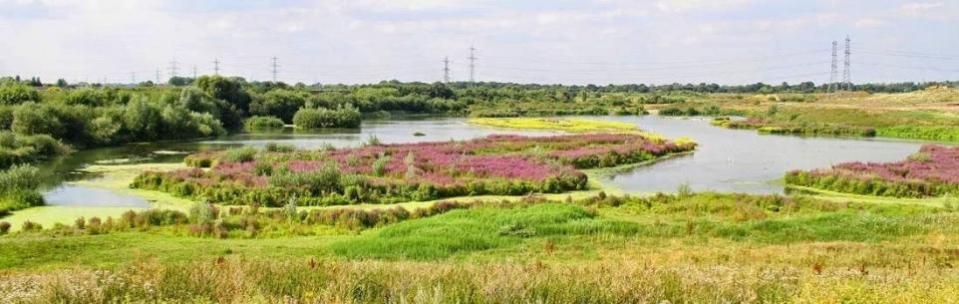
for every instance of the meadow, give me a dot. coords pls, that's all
(690, 247)
(924, 115)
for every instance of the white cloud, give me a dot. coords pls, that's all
(869, 23)
(680, 6)
(370, 40)
(915, 9)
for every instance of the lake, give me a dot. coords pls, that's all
(726, 160)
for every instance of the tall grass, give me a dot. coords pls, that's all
(695, 248)
(18, 188)
(474, 230)
(623, 281)
(17, 148)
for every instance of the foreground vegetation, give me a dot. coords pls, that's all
(684, 248)
(18, 189)
(377, 173)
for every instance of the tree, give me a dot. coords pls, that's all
(15, 93)
(32, 118)
(227, 89)
(142, 120)
(180, 81)
(280, 103)
(198, 101)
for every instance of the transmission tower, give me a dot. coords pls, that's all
(834, 67)
(173, 68)
(274, 68)
(446, 69)
(216, 66)
(158, 77)
(194, 72)
(472, 59)
(133, 77)
(846, 77)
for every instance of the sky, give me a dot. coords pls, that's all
(535, 41)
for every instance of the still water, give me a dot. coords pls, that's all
(744, 160)
(726, 160)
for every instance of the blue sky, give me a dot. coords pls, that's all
(559, 41)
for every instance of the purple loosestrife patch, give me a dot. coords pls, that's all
(932, 171)
(498, 164)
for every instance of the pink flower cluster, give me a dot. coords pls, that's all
(933, 163)
(505, 157)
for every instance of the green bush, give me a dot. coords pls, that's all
(275, 147)
(257, 123)
(279, 103)
(87, 97)
(239, 155)
(18, 188)
(32, 118)
(17, 148)
(13, 93)
(343, 117)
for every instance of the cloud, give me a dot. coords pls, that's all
(681, 6)
(371, 40)
(869, 23)
(916, 9)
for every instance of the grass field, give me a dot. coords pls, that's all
(930, 114)
(696, 248)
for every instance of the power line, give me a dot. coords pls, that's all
(446, 69)
(472, 59)
(658, 64)
(274, 68)
(846, 76)
(173, 68)
(833, 67)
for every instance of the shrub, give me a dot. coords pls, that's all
(275, 147)
(343, 117)
(257, 123)
(202, 212)
(18, 148)
(13, 93)
(18, 188)
(239, 155)
(32, 118)
(31, 226)
(87, 97)
(4, 228)
(142, 119)
(279, 103)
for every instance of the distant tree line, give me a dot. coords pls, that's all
(84, 115)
